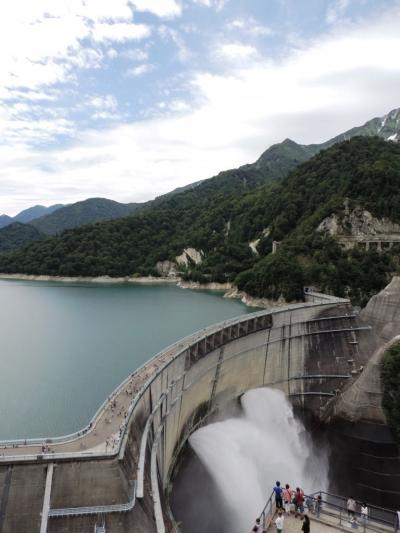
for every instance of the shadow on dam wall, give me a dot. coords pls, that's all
(365, 462)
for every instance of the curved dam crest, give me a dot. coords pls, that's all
(308, 351)
(65, 348)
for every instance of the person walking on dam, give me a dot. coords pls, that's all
(278, 495)
(279, 522)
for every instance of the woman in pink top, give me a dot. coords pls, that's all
(287, 498)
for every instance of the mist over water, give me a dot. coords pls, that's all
(246, 455)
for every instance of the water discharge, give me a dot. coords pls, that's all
(246, 455)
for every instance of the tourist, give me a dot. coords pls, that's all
(306, 524)
(318, 505)
(279, 522)
(310, 504)
(364, 513)
(351, 507)
(278, 495)
(298, 502)
(287, 498)
(257, 524)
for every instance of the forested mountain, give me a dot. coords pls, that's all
(222, 221)
(274, 164)
(27, 215)
(5, 220)
(288, 154)
(79, 213)
(16, 235)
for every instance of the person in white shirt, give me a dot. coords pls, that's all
(279, 522)
(351, 507)
(364, 513)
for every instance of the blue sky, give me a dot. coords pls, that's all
(130, 99)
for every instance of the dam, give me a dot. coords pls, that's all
(114, 475)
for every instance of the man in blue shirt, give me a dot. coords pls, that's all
(278, 495)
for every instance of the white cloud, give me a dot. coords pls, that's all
(336, 10)
(235, 51)
(161, 8)
(319, 90)
(41, 40)
(120, 31)
(216, 4)
(249, 25)
(136, 54)
(108, 102)
(86, 58)
(144, 68)
(112, 53)
(168, 33)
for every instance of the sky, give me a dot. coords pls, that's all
(129, 99)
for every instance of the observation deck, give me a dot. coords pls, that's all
(332, 516)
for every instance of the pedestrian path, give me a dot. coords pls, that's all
(294, 525)
(329, 522)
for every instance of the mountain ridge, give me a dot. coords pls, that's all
(86, 211)
(222, 226)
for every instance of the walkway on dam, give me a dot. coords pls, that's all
(104, 434)
(294, 525)
(328, 523)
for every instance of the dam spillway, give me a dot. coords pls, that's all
(309, 351)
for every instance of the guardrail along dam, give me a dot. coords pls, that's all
(114, 474)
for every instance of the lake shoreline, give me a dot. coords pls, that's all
(229, 290)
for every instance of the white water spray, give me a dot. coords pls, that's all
(247, 455)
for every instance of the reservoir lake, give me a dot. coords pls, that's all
(65, 347)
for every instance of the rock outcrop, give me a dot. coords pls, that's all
(167, 269)
(190, 255)
(359, 224)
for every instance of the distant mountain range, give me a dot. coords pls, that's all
(80, 213)
(221, 216)
(27, 215)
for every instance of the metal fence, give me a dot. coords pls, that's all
(377, 518)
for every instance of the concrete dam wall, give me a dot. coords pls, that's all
(310, 351)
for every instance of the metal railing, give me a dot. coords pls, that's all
(179, 347)
(378, 518)
(331, 509)
(267, 514)
(97, 509)
(178, 344)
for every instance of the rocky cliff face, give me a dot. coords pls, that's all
(359, 224)
(190, 255)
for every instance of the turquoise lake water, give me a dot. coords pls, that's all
(64, 348)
